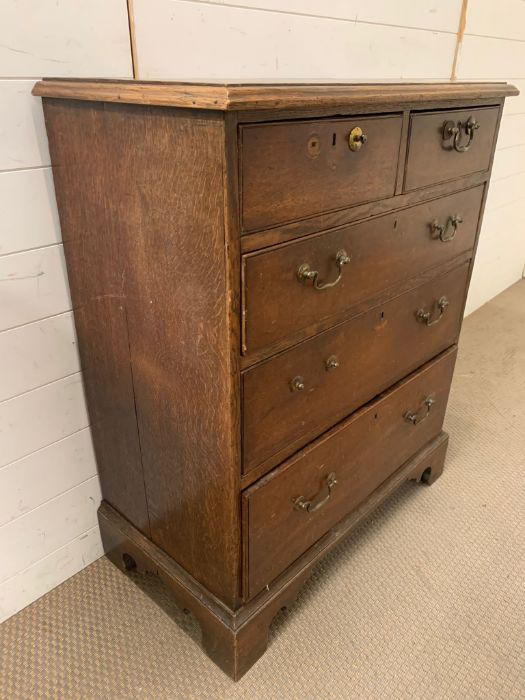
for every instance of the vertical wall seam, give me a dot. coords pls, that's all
(459, 38)
(132, 39)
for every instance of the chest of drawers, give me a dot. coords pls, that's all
(268, 285)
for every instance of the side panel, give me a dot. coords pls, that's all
(141, 200)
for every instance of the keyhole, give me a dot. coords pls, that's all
(334, 137)
(382, 315)
(313, 147)
(395, 224)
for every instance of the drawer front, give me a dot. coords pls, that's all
(437, 154)
(361, 453)
(383, 252)
(290, 399)
(296, 169)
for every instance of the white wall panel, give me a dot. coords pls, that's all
(36, 354)
(29, 213)
(505, 191)
(506, 19)
(33, 285)
(500, 256)
(31, 583)
(424, 14)
(187, 39)
(516, 105)
(23, 140)
(481, 58)
(65, 38)
(31, 481)
(35, 535)
(508, 161)
(48, 488)
(512, 130)
(40, 417)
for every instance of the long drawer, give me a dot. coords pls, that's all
(291, 170)
(290, 399)
(290, 288)
(293, 506)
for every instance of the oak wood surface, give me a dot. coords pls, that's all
(432, 159)
(265, 238)
(373, 351)
(362, 452)
(296, 169)
(191, 328)
(92, 239)
(236, 639)
(140, 191)
(383, 251)
(230, 96)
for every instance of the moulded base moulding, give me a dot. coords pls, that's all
(235, 639)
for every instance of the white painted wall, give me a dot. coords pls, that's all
(493, 48)
(48, 485)
(49, 490)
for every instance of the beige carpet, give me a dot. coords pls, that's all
(427, 600)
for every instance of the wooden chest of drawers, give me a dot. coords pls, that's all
(268, 285)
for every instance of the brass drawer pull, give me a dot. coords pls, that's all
(356, 138)
(331, 363)
(305, 273)
(426, 316)
(317, 502)
(440, 230)
(454, 132)
(422, 411)
(297, 384)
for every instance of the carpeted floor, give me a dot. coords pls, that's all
(427, 600)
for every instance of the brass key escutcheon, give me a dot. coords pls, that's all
(356, 138)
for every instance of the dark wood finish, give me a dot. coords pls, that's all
(292, 170)
(236, 639)
(383, 252)
(431, 159)
(360, 212)
(362, 452)
(161, 271)
(373, 351)
(239, 96)
(400, 174)
(151, 205)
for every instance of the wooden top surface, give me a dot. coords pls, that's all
(231, 96)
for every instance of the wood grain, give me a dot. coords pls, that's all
(236, 639)
(294, 170)
(383, 252)
(372, 354)
(168, 295)
(149, 283)
(430, 159)
(322, 222)
(228, 96)
(362, 452)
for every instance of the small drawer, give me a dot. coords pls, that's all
(290, 399)
(446, 145)
(340, 470)
(293, 170)
(291, 288)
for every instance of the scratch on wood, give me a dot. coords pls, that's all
(459, 38)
